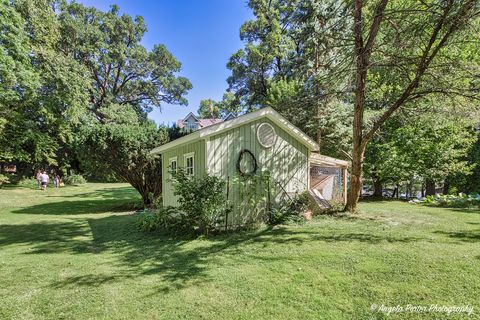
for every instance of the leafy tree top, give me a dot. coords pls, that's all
(123, 72)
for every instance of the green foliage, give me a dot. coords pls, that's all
(4, 179)
(285, 64)
(470, 182)
(330, 116)
(66, 68)
(126, 82)
(255, 191)
(175, 132)
(290, 210)
(74, 179)
(212, 109)
(209, 109)
(419, 148)
(124, 150)
(167, 219)
(43, 89)
(303, 58)
(28, 182)
(203, 200)
(452, 201)
(147, 220)
(122, 72)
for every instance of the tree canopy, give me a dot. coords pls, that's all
(210, 108)
(42, 89)
(314, 57)
(121, 70)
(76, 83)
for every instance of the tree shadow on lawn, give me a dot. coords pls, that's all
(45, 237)
(105, 193)
(462, 210)
(182, 262)
(81, 207)
(464, 236)
(89, 280)
(179, 261)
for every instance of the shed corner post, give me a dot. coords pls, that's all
(345, 170)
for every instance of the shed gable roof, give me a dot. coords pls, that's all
(267, 112)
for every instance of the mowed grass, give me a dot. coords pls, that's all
(75, 253)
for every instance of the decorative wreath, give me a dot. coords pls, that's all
(240, 157)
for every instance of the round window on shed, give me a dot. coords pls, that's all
(266, 135)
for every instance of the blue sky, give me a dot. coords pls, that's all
(202, 34)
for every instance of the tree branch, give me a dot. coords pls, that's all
(379, 11)
(424, 62)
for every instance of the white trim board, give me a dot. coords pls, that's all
(185, 157)
(268, 112)
(170, 160)
(319, 159)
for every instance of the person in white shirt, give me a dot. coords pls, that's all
(39, 180)
(44, 179)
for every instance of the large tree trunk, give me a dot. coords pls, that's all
(430, 187)
(446, 187)
(377, 188)
(363, 51)
(355, 179)
(360, 82)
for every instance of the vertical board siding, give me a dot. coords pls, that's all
(287, 162)
(198, 147)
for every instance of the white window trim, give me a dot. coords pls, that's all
(170, 165)
(188, 155)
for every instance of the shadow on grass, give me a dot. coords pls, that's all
(463, 210)
(104, 193)
(88, 280)
(465, 236)
(373, 199)
(81, 207)
(44, 237)
(180, 262)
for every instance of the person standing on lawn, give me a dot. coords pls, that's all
(38, 176)
(56, 181)
(44, 178)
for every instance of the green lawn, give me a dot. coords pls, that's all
(75, 253)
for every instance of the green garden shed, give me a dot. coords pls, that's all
(255, 144)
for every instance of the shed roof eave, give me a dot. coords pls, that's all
(236, 122)
(316, 158)
(176, 142)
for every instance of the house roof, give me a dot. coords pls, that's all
(268, 112)
(190, 114)
(230, 116)
(208, 122)
(202, 123)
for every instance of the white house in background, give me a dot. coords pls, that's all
(193, 123)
